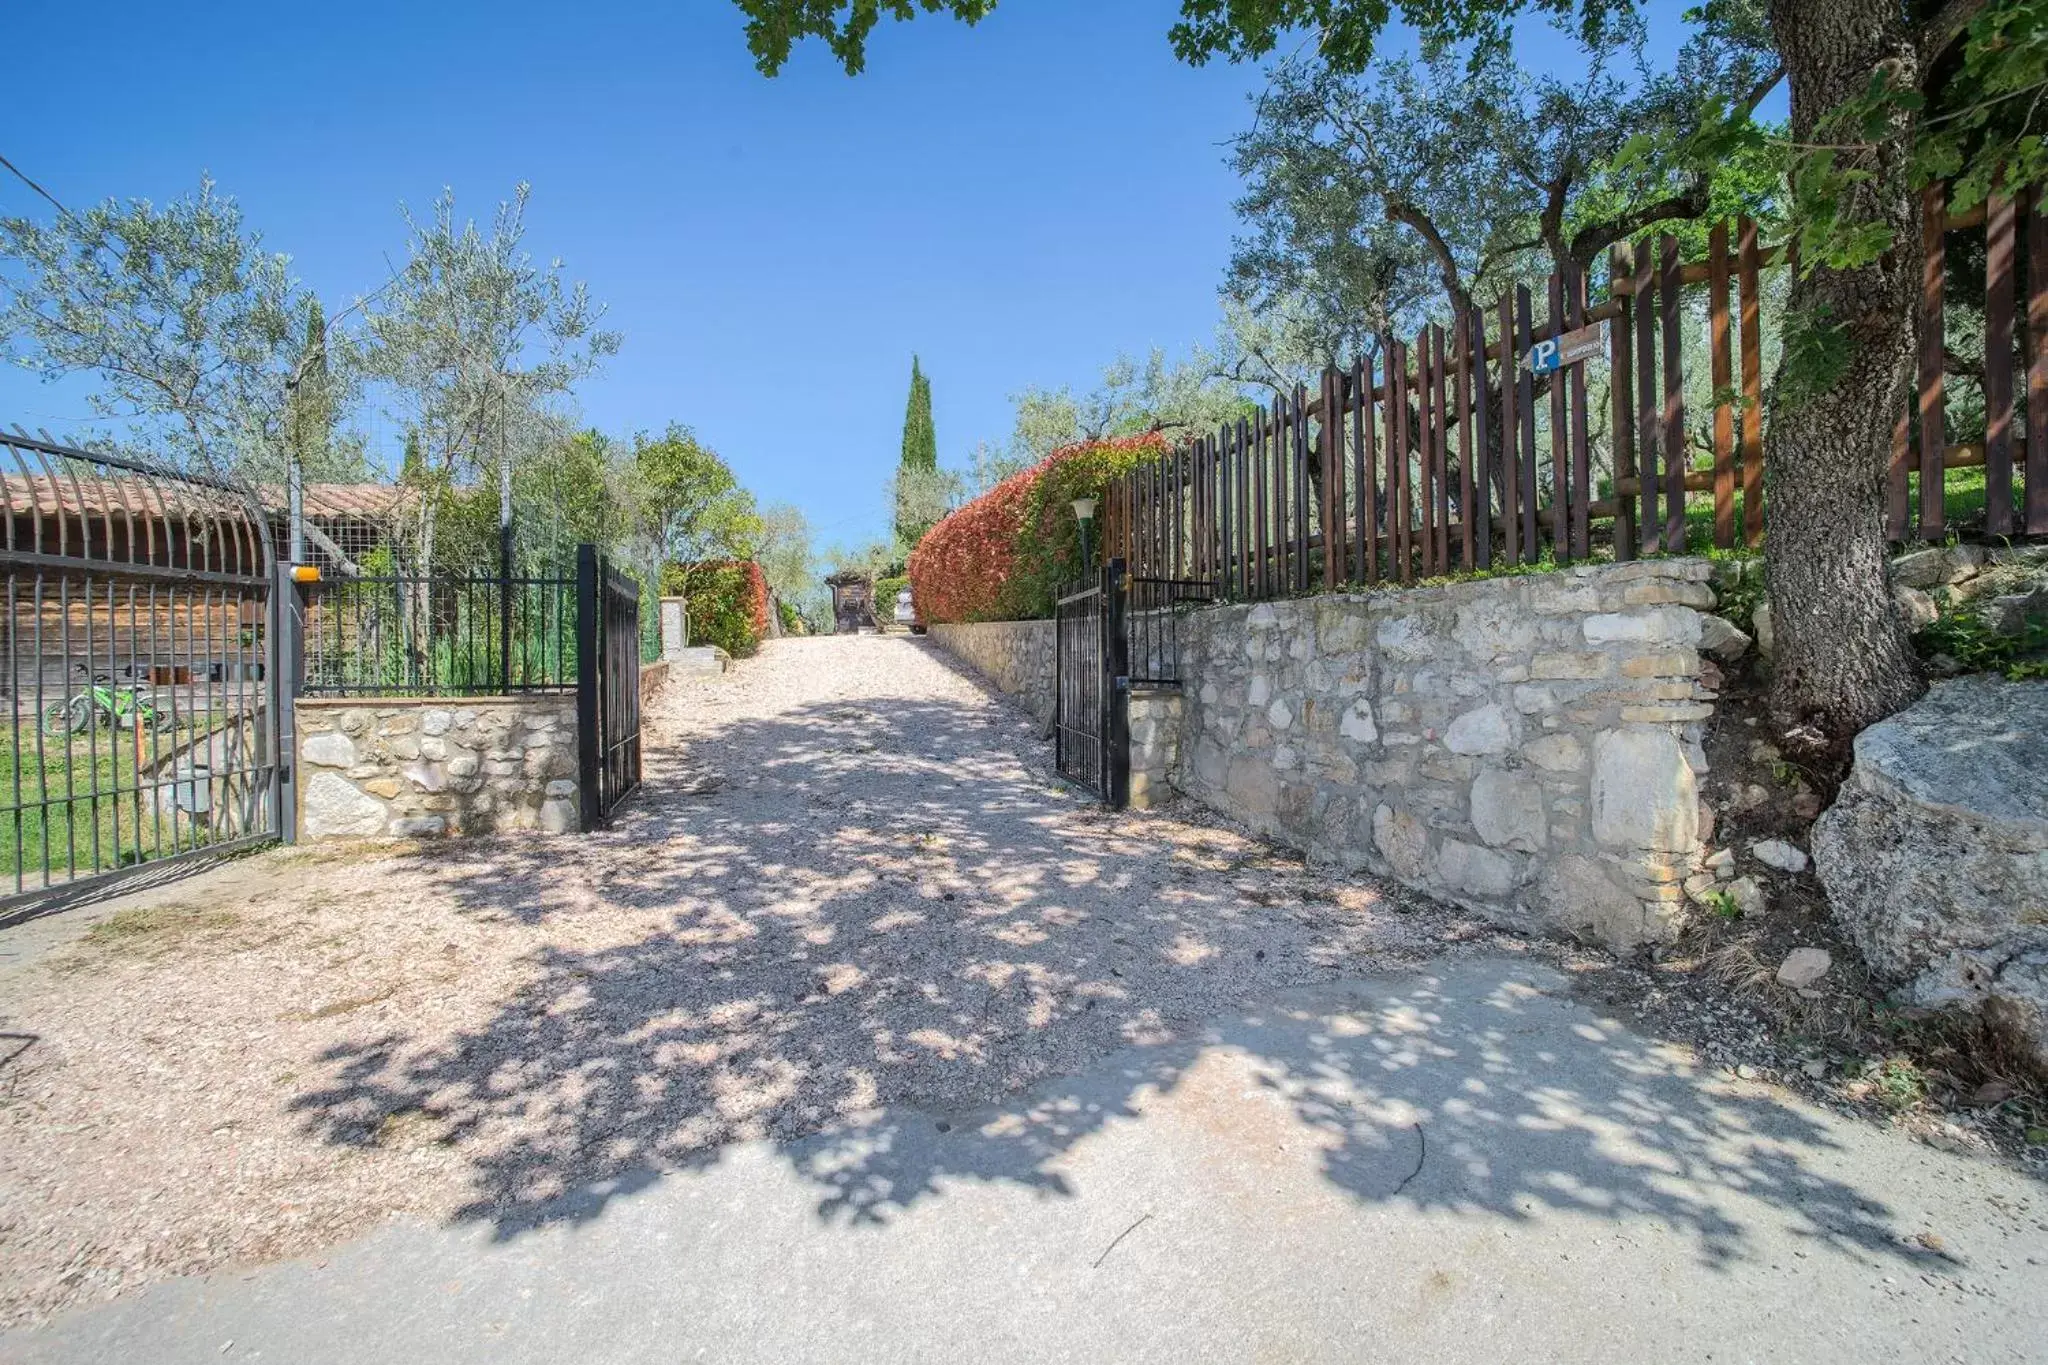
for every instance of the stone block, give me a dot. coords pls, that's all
(558, 817)
(1673, 663)
(1654, 626)
(330, 806)
(328, 749)
(1508, 810)
(435, 721)
(1402, 841)
(418, 826)
(1357, 724)
(1669, 593)
(1566, 666)
(1644, 794)
(1476, 871)
(1559, 753)
(1485, 730)
(1667, 713)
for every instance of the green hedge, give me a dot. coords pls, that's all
(727, 603)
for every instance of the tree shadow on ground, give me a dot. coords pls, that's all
(887, 938)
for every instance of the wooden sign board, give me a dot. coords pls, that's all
(1554, 353)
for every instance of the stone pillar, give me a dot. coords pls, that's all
(675, 627)
(1155, 746)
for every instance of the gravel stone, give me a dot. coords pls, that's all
(851, 880)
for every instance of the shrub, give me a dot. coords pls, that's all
(885, 597)
(1007, 554)
(727, 602)
(960, 568)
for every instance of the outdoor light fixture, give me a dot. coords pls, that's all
(1084, 512)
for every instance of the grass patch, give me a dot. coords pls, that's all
(79, 804)
(153, 930)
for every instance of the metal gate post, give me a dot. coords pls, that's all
(1059, 689)
(1116, 729)
(589, 647)
(287, 669)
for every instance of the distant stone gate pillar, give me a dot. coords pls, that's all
(675, 627)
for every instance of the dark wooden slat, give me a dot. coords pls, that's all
(1479, 501)
(1933, 406)
(1219, 508)
(1334, 540)
(1510, 465)
(1621, 391)
(1260, 514)
(1560, 428)
(1525, 414)
(1425, 459)
(1649, 424)
(1241, 516)
(1398, 461)
(1461, 341)
(1440, 445)
(1300, 475)
(1723, 380)
(1998, 301)
(1674, 400)
(1582, 455)
(1748, 289)
(1358, 399)
(2037, 365)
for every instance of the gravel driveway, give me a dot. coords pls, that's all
(850, 882)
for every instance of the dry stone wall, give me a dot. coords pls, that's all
(395, 768)
(1526, 746)
(1015, 656)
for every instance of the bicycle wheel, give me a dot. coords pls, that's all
(67, 717)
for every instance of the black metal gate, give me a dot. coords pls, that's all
(141, 671)
(1089, 742)
(1119, 633)
(607, 684)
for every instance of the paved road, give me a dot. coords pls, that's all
(1326, 1160)
(1455, 1165)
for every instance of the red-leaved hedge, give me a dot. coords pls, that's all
(727, 601)
(1006, 555)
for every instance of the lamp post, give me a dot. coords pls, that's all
(1084, 513)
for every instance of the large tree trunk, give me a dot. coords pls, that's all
(1843, 661)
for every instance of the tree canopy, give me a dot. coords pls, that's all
(190, 326)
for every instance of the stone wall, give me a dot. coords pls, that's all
(1015, 656)
(1525, 746)
(401, 768)
(1155, 746)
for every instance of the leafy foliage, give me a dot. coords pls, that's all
(774, 26)
(727, 602)
(191, 328)
(1008, 554)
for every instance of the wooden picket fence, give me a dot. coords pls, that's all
(1431, 462)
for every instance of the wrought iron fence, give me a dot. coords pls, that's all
(141, 717)
(1152, 622)
(608, 690)
(442, 634)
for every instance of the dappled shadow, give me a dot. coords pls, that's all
(907, 958)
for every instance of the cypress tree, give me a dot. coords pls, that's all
(920, 441)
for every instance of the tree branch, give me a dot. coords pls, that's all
(1594, 238)
(1943, 29)
(1408, 215)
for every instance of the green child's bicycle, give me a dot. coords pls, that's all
(104, 703)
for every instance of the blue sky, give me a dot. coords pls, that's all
(1016, 202)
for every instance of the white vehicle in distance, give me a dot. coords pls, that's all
(906, 613)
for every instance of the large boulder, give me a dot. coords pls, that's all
(1935, 856)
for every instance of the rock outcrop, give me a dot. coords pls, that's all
(1935, 856)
